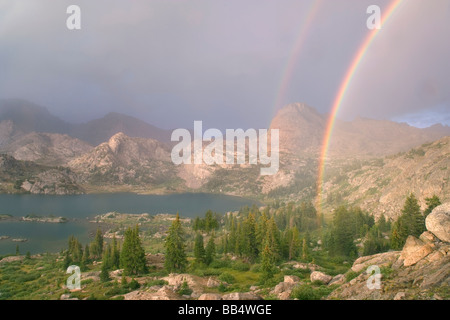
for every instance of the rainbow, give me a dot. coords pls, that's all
(288, 71)
(341, 94)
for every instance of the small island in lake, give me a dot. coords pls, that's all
(49, 219)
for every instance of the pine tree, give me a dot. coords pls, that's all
(267, 262)
(175, 259)
(396, 241)
(115, 254)
(106, 260)
(104, 274)
(294, 245)
(273, 239)
(383, 224)
(210, 250)
(343, 233)
(305, 250)
(85, 258)
(97, 245)
(250, 248)
(432, 203)
(232, 239)
(261, 231)
(132, 257)
(199, 249)
(414, 218)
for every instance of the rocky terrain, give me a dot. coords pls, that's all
(302, 127)
(372, 163)
(51, 149)
(381, 186)
(26, 176)
(420, 271)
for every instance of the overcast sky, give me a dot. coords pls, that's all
(223, 62)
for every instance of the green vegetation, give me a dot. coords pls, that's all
(250, 247)
(411, 222)
(175, 259)
(132, 257)
(432, 203)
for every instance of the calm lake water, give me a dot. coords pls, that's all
(43, 237)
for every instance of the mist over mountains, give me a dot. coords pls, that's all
(369, 161)
(28, 117)
(301, 130)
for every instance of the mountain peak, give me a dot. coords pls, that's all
(298, 108)
(115, 141)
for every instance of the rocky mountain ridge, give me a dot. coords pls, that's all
(367, 164)
(302, 128)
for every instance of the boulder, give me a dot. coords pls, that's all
(291, 279)
(320, 276)
(94, 275)
(212, 283)
(241, 296)
(435, 256)
(12, 259)
(379, 259)
(285, 295)
(339, 279)
(438, 222)
(400, 296)
(300, 265)
(165, 293)
(414, 250)
(66, 296)
(428, 237)
(176, 280)
(210, 296)
(282, 287)
(116, 273)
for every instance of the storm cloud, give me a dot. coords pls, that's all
(172, 62)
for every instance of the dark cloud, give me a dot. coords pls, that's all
(172, 62)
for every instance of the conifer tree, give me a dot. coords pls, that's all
(175, 259)
(97, 245)
(294, 245)
(396, 240)
(250, 248)
(210, 253)
(267, 262)
(432, 203)
(261, 231)
(85, 258)
(104, 274)
(199, 249)
(132, 257)
(273, 239)
(305, 250)
(233, 236)
(115, 254)
(414, 218)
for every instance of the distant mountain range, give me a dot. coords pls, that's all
(302, 128)
(29, 117)
(372, 163)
